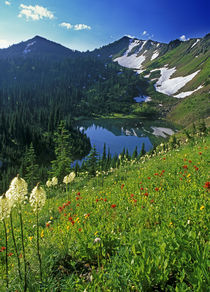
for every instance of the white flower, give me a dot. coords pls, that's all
(49, 183)
(97, 239)
(69, 178)
(54, 181)
(18, 190)
(37, 198)
(5, 207)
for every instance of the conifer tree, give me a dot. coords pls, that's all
(62, 164)
(135, 153)
(92, 161)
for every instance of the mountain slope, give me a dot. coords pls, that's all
(37, 47)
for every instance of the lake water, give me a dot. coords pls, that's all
(124, 133)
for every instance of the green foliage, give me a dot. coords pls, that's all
(63, 153)
(143, 227)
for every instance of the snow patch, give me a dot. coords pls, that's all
(155, 55)
(195, 43)
(132, 61)
(27, 50)
(162, 132)
(187, 93)
(142, 98)
(170, 86)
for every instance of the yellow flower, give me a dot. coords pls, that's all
(188, 175)
(202, 207)
(67, 227)
(42, 234)
(30, 238)
(51, 218)
(170, 223)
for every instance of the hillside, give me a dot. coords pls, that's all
(141, 227)
(178, 69)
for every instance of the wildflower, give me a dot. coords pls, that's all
(146, 194)
(149, 177)
(80, 229)
(69, 178)
(142, 189)
(185, 167)
(42, 234)
(78, 194)
(190, 161)
(54, 181)
(97, 239)
(157, 189)
(207, 185)
(10, 254)
(132, 195)
(37, 198)
(113, 206)
(5, 207)
(200, 153)
(202, 207)
(122, 186)
(3, 248)
(18, 190)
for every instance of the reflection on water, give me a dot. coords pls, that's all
(124, 133)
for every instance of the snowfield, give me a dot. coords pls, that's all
(155, 55)
(170, 86)
(187, 93)
(195, 43)
(133, 61)
(162, 132)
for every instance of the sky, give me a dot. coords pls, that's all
(88, 24)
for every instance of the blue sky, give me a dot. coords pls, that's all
(87, 24)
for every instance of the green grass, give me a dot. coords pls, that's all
(151, 218)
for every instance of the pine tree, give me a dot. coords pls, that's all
(103, 162)
(30, 168)
(61, 166)
(92, 161)
(135, 153)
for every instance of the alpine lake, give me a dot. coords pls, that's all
(120, 133)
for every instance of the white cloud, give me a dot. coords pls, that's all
(4, 44)
(81, 27)
(183, 38)
(66, 25)
(144, 32)
(35, 12)
(7, 3)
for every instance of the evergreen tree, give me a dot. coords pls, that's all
(103, 162)
(92, 162)
(30, 168)
(61, 166)
(135, 153)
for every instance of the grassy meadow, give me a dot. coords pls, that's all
(141, 227)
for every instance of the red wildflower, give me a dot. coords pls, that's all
(77, 205)
(78, 194)
(60, 209)
(207, 185)
(146, 194)
(97, 200)
(3, 248)
(102, 199)
(80, 229)
(164, 158)
(185, 167)
(180, 178)
(122, 186)
(190, 161)
(65, 214)
(163, 171)
(70, 218)
(149, 177)
(72, 222)
(200, 153)
(47, 224)
(113, 206)
(152, 201)
(142, 189)
(105, 200)
(135, 201)
(157, 189)
(196, 168)
(77, 198)
(10, 254)
(132, 195)
(156, 174)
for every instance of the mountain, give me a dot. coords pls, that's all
(37, 47)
